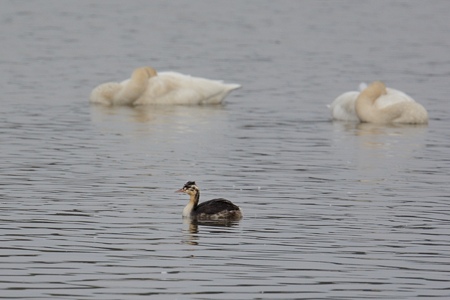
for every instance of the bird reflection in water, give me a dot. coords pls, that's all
(195, 226)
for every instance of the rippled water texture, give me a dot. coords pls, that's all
(331, 210)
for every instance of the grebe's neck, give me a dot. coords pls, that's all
(192, 205)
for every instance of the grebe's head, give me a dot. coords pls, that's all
(189, 188)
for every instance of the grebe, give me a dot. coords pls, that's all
(146, 86)
(377, 103)
(215, 209)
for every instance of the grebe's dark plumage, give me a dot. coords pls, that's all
(214, 209)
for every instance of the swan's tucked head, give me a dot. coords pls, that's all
(150, 71)
(189, 188)
(375, 89)
(144, 72)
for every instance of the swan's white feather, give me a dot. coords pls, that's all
(164, 88)
(343, 107)
(176, 88)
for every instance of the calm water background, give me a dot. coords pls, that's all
(332, 210)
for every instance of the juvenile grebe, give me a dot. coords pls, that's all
(214, 209)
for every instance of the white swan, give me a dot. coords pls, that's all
(146, 86)
(378, 104)
(343, 107)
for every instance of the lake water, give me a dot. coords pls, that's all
(331, 210)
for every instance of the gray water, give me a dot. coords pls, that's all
(331, 210)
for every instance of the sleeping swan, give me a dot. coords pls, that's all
(343, 107)
(378, 104)
(146, 86)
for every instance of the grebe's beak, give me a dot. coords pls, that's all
(180, 191)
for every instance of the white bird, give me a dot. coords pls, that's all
(146, 86)
(343, 107)
(378, 104)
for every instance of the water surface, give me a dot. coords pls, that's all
(331, 210)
